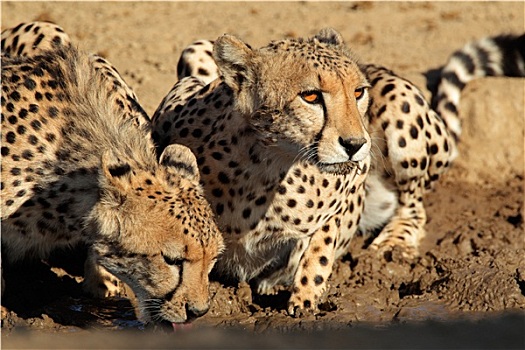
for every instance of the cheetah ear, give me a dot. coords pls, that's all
(182, 160)
(330, 36)
(233, 58)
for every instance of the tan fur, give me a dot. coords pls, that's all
(76, 166)
(295, 246)
(33, 38)
(286, 192)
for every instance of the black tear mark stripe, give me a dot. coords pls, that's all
(168, 296)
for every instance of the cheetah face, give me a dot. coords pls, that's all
(307, 97)
(158, 235)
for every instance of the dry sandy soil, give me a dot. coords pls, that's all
(466, 290)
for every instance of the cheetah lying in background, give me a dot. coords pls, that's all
(79, 165)
(284, 136)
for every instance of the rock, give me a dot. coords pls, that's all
(492, 113)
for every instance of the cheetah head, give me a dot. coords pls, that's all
(157, 233)
(306, 96)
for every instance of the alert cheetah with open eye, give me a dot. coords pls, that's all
(284, 136)
(283, 149)
(79, 165)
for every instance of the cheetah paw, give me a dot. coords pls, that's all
(102, 284)
(296, 308)
(389, 250)
(299, 311)
(266, 287)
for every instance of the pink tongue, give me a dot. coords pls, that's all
(177, 327)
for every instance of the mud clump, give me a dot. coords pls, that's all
(484, 283)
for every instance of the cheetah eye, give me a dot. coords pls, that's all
(172, 261)
(312, 97)
(359, 92)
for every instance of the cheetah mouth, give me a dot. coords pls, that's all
(344, 168)
(179, 327)
(170, 327)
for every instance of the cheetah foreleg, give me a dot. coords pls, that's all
(284, 277)
(406, 228)
(313, 271)
(98, 281)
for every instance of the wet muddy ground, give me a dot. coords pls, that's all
(473, 271)
(466, 289)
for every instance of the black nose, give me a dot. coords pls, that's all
(193, 312)
(352, 145)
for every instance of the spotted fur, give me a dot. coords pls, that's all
(30, 39)
(200, 53)
(285, 212)
(34, 38)
(416, 148)
(76, 167)
(413, 147)
(419, 142)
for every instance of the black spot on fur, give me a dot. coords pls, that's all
(10, 137)
(387, 88)
(405, 107)
(120, 170)
(318, 280)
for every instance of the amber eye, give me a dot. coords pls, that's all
(313, 97)
(358, 93)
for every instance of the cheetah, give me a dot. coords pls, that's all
(502, 55)
(78, 168)
(299, 147)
